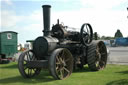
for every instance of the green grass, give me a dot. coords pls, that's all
(112, 75)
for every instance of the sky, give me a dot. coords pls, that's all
(26, 16)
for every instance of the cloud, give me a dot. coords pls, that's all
(36, 16)
(29, 32)
(9, 19)
(9, 2)
(102, 4)
(28, 27)
(105, 22)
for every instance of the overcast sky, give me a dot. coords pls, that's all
(25, 16)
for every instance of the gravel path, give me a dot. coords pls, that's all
(118, 55)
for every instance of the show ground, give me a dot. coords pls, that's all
(118, 55)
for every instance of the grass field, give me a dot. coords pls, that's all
(112, 75)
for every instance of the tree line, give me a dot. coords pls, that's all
(117, 34)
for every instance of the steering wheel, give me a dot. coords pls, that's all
(86, 34)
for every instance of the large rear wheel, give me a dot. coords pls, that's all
(61, 63)
(97, 56)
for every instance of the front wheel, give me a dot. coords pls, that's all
(25, 71)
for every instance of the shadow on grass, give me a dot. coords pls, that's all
(123, 72)
(12, 66)
(19, 79)
(43, 77)
(85, 69)
(118, 82)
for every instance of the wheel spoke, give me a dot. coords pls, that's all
(84, 31)
(57, 67)
(62, 54)
(25, 68)
(25, 60)
(67, 70)
(57, 63)
(67, 60)
(61, 60)
(57, 59)
(33, 57)
(88, 31)
(28, 58)
(30, 72)
(61, 74)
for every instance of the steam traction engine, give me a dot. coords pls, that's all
(61, 51)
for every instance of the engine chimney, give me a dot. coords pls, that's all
(46, 19)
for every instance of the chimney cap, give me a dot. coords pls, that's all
(46, 6)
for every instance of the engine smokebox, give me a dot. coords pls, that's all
(44, 45)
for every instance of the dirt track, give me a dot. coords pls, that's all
(118, 55)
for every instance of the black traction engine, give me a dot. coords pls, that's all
(62, 51)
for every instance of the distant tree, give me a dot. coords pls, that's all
(96, 36)
(103, 37)
(107, 37)
(118, 34)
